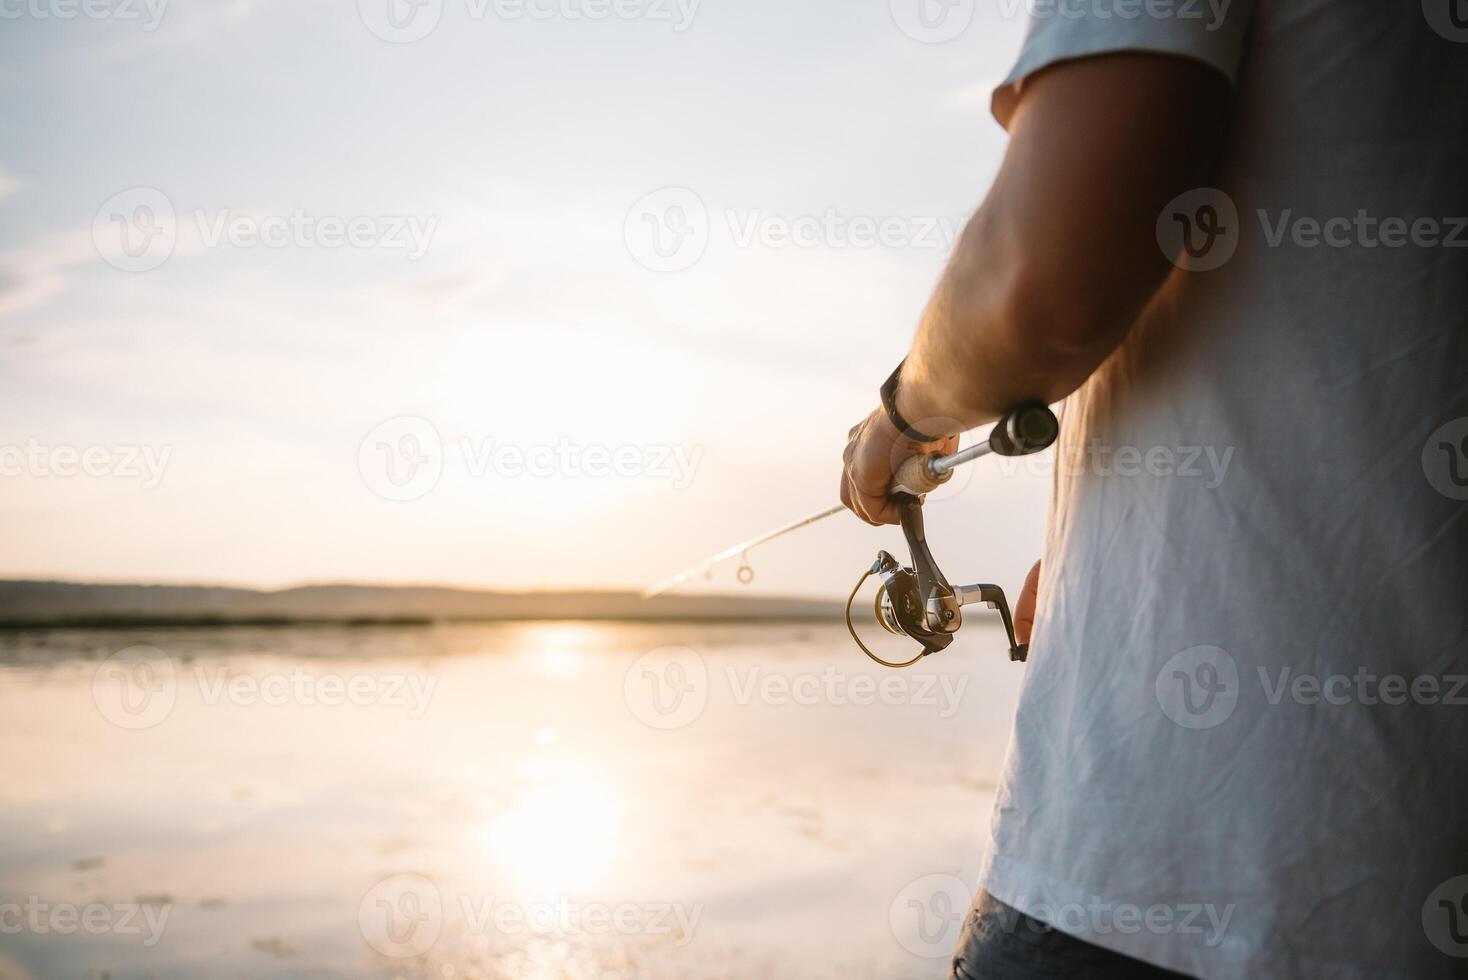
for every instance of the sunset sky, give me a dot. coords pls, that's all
(240, 394)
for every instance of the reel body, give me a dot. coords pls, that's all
(917, 601)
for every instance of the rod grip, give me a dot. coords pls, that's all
(914, 477)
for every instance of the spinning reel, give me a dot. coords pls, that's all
(917, 601)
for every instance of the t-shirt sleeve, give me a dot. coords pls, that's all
(1210, 31)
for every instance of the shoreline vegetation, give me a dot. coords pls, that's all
(31, 605)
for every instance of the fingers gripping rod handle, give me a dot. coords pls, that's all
(1022, 431)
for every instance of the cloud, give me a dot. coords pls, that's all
(8, 184)
(31, 276)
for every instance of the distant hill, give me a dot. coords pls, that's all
(25, 603)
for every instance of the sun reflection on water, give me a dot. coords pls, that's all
(561, 834)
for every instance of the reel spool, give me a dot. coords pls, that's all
(917, 602)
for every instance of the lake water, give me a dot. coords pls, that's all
(528, 801)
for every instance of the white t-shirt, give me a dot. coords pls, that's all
(1242, 744)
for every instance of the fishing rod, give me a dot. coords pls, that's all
(915, 600)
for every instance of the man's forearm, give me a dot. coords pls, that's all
(983, 344)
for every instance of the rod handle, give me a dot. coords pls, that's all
(916, 477)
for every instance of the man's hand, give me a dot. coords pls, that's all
(874, 450)
(1024, 609)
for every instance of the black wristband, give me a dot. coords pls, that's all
(889, 404)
